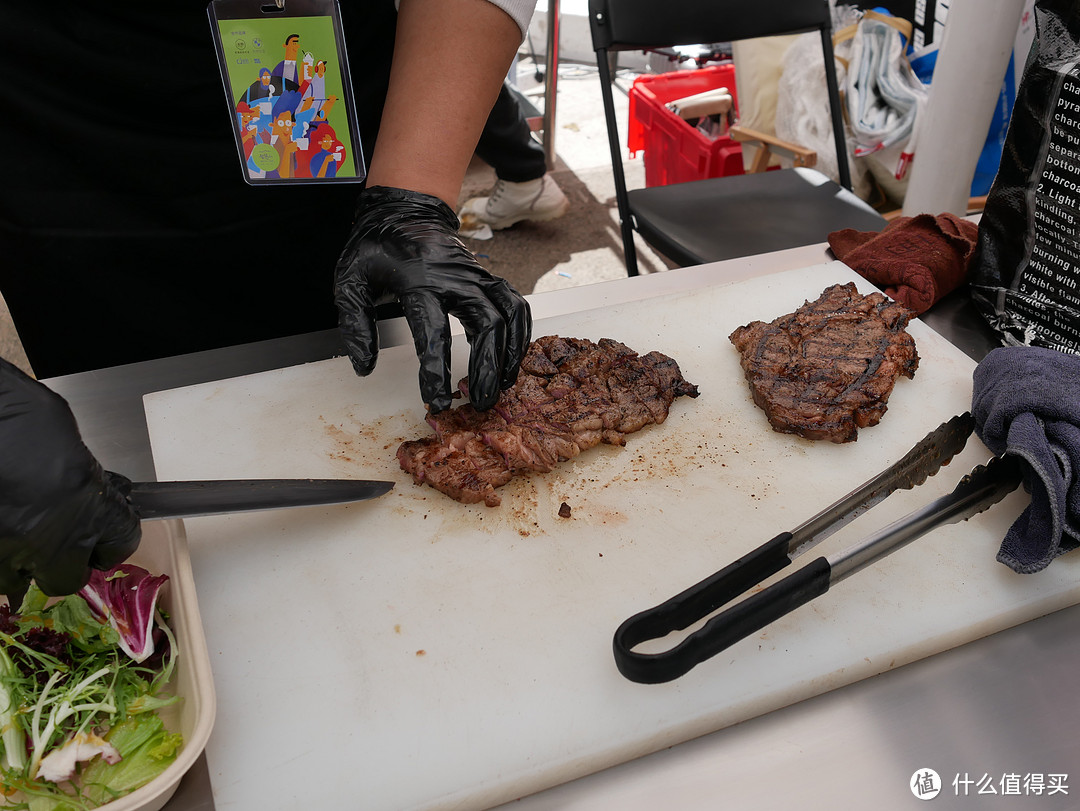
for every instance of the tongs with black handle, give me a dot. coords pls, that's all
(985, 485)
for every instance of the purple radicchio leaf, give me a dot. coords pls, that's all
(126, 598)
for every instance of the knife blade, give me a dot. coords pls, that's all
(189, 499)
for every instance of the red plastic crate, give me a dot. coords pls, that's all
(676, 152)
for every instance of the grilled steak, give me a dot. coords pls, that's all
(571, 395)
(827, 369)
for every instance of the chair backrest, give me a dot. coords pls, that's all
(637, 24)
(620, 25)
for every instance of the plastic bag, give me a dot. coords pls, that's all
(1025, 277)
(802, 102)
(884, 96)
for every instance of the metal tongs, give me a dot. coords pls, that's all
(984, 486)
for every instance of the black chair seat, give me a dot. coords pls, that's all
(721, 218)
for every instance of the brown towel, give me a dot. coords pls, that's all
(915, 260)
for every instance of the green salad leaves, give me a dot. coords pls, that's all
(78, 711)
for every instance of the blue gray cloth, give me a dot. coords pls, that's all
(1026, 402)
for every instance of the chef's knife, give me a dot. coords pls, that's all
(194, 498)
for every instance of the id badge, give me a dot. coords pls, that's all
(286, 79)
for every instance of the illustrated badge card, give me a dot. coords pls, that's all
(286, 79)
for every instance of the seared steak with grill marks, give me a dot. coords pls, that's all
(571, 395)
(827, 369)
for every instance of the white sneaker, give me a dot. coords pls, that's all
(539, 200)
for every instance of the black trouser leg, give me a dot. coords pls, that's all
(507, 143)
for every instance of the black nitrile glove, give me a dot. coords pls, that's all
(404, 245)
(60, 513)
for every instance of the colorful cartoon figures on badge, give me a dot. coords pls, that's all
(284, 120)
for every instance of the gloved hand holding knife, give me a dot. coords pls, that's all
(61, 514)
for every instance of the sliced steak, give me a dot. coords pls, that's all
(571, 395)
(827, 369)
(468, 474)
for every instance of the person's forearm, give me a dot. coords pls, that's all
(450, 59)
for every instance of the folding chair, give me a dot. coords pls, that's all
(727, 217)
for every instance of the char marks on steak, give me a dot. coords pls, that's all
(827, 369)
(571, 395)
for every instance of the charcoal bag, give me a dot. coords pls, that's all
(1025, 274)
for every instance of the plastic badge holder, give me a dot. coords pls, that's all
(289, 93)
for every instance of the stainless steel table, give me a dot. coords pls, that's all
(996, 714)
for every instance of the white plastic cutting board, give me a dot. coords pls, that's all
(410, 652)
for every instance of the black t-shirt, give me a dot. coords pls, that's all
(127, 231)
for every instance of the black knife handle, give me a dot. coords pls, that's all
(735, 623)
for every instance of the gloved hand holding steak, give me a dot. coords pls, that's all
(572, 395)
(404, 245)
(61, 515)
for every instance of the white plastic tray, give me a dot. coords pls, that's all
(164, 550)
